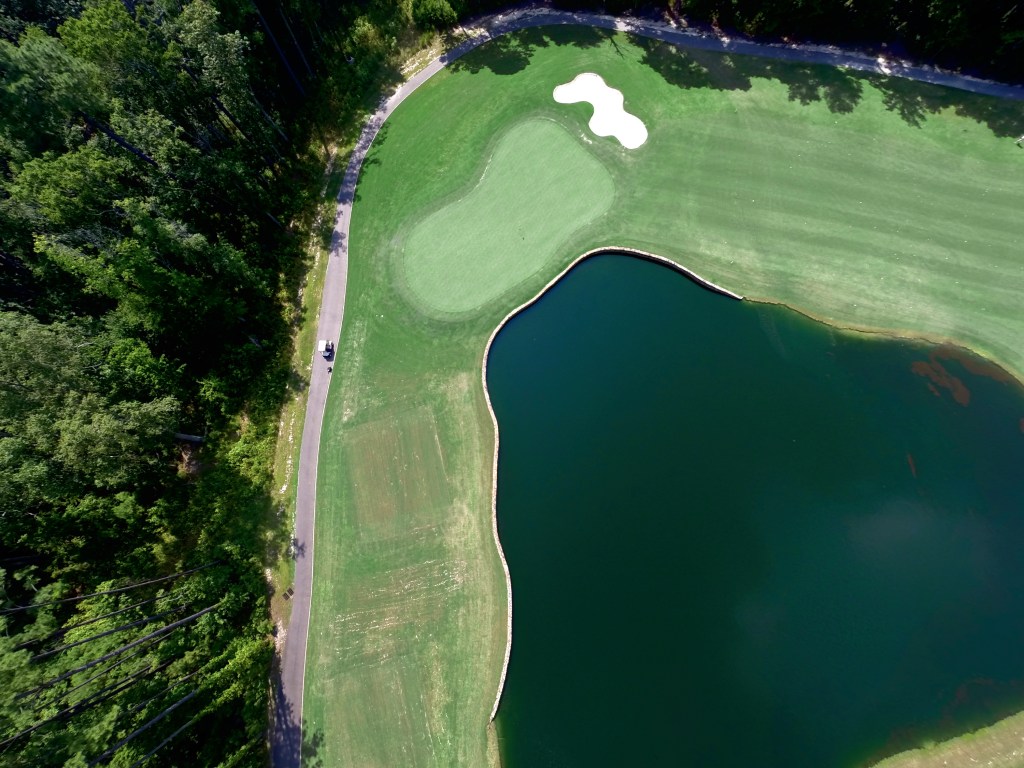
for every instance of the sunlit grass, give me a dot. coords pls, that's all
(867, 203)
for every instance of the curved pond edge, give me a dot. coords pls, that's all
(288, 682)
(604, 250)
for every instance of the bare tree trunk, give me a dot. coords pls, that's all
(269, 119)
(220, 106)
(122, 628)
(178, 575)
(64, 630)
(165, 742)
(89, 679)
(145, 727)
(122, 649)
(296, 43)
(97, 698)
(122, 142)
(168, 689)
(280, 52)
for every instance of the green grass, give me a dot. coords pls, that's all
(998, 746)
(540, 186)
(867, 202)
(306, 306)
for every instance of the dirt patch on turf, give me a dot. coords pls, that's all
(393, 606)
(377, 702)
(398, 473)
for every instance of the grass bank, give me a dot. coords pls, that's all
(998, 746)
(869, 202)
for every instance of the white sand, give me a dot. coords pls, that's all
(610, 118)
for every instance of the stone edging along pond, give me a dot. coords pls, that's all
(610, 249)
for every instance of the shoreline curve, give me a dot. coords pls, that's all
(288, 679)
(604, 250)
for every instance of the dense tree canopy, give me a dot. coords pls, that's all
(986, 38)
(152, 159)
(983, 38)
(154, 162)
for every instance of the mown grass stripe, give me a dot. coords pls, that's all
(860, 220)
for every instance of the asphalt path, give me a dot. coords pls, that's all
(288, 682)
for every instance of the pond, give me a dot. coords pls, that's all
(740, 537)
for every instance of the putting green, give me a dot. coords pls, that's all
(867, 201)
(538, 187)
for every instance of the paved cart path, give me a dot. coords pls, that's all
(286, 735)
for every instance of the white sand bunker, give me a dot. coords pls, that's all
(610, 118)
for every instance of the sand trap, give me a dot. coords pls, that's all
(610, 118)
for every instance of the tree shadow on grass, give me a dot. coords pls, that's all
(312, 744)
(310, 751)
(840, 89)
(692, 68)
(914, 102)
(289, 746)
(511, 53)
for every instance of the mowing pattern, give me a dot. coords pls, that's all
(539, 186)
(866, 201)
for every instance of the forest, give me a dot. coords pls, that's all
(159, 162)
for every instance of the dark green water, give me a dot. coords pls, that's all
(739, 539)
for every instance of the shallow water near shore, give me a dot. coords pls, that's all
(738, 537)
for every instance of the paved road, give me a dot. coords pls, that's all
(286, 736)
(808, 54)
(289, 679)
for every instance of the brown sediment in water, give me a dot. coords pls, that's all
(974, 360)
(913, 466)
(939, 376)
(974, 364)
(612, 250)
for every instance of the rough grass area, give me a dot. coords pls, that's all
(280, 564)
(869, 202)
(999, 746)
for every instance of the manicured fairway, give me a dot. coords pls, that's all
(867, 202)
(838, 205)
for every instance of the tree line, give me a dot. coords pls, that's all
(981, 38)
(159, 160)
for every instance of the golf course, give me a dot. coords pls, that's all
(867, 202)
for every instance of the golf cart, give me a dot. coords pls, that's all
(325, 348)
